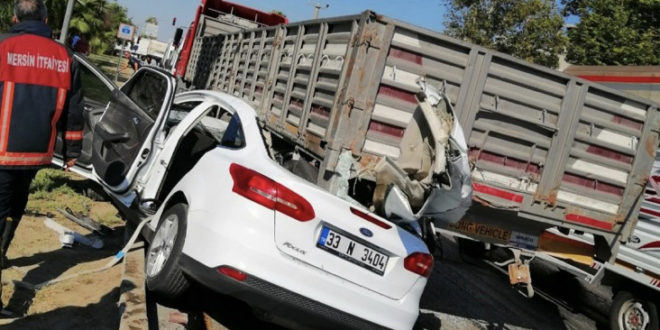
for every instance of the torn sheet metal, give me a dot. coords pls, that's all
(432, 176)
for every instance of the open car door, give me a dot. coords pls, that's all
(123, 137)
(97, 91)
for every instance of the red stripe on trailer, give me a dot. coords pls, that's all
(497, 192)
(607, 153)
(296, 103)
(627, 122)
(592, 184)
(320, 110)
(622, 79)
(650, 212)
(652, 245)
(380, 127)
(591, 222)
(406, 55)
(504, 161)
(397, 94)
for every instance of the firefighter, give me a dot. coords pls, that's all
(40, 96)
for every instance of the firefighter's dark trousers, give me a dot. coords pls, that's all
(14, 191)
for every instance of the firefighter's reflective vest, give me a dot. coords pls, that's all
(40, 95)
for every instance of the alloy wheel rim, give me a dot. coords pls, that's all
(162, 245)
(632, 316)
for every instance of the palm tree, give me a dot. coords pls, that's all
(99, 19)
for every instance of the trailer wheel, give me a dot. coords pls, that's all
(163, 273)
(632, 313)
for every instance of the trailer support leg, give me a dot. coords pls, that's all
(519, 273)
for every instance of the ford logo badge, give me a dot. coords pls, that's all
(366, 232)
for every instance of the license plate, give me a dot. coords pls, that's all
(351, 250)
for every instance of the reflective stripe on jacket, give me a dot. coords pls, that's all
(40, 95)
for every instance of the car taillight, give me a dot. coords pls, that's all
(419, 263)
(264, 191)
(369, 218)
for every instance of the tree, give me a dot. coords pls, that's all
(528, 29)
(152, 20)
(6, 13)
(98, 19)
(114, 14)
(614, 32)
(86, 18)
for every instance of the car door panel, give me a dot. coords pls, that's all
(117, 138)
(97, 90)
(91, 116)
(123, 136)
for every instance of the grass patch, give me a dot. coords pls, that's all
(108, 64)
(49, 179)
(52, 189)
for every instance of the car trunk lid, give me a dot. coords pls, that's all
(349, 242)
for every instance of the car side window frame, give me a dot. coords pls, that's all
(234, 127)
(89, 68)
(143, 98)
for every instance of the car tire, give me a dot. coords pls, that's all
(163, 273)
(627, 308)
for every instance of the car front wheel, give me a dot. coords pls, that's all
(163, 273)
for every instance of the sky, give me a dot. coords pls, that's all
(424, 13)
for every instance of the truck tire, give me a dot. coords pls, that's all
(629, 312)
(163, 273)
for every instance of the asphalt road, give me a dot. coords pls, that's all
(472, 289)
(462, 293)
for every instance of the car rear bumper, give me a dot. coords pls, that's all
(243, 238)
(276, 301)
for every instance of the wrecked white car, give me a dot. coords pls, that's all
(222, 209)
